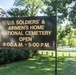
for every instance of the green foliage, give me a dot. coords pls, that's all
(72, 42)
(68, 29)
(27, 7)
(65, 9)
(72, 15)
(7, 56)
(64, 42)
(66, 35)
(50, 7)
(18, 12)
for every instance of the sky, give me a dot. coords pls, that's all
(6, 4)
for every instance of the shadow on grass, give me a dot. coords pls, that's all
(67, 66)
(40, 65)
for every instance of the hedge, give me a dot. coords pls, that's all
(7, 56)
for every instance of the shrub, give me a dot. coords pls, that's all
(7, 56)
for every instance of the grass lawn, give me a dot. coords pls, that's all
(67, 67)
(40, 65)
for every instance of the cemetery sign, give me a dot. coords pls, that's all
(30, 33)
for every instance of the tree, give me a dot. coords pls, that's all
(72, 14)
(18, 12)
(72, 42)
(63, 10)
(65, 33)
(64, 42)
(27, 7)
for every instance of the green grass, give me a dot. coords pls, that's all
(40, 65)
(67, 67)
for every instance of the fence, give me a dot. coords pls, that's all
(52, 53)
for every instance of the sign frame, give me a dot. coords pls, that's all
(50, 18)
